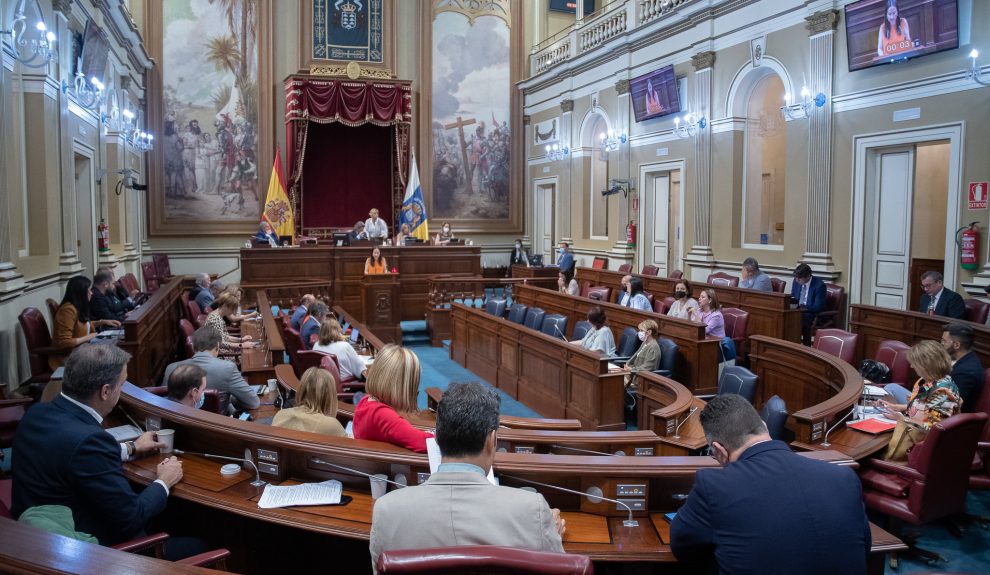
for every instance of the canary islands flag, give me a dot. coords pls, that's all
(278, 210)
(413, 206)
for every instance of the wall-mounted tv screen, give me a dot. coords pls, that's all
(95, 51)
(883, 31)
(655, 94)
(570, 6)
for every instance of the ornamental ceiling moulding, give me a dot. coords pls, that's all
(474, 9)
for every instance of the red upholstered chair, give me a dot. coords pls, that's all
(976, 310)
(293, 345)
(162, 266)
(736, 325)
(893, 354)
(837, 342)
(676, 275)
(306, 359)
(660, 306)
(200, 320)
(345, 389)
(39, 344)
(487, 559)
(599, 263)
(186, 327)
(650, 271)
(52, 308)
(778, 285)
(600, 293)
(829, 316)
(193, 311)
(933, 484)
(151, 280)
(184, 298)
(625, 268)
(187, 345)
(11, 413)
(723, 279)
(130, 284)
(979, 477)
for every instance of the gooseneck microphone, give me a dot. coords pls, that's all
(677, 429)
(557, 329)
(319, 461)
(257, 474)
(594, 495)
(825, 442)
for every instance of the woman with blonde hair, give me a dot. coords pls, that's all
(934, 397)
(226, 304)
(332, 341)
(647, 357)
(392, 386)
(316, 405)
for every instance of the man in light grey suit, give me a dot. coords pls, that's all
(221, 375)
(457, 505)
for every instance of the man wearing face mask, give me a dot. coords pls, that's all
(565, 261)
(769, 510)
(624, 294)
(520, 255)
(221, 375)
(187, 385)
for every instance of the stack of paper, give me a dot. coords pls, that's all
(323, 493)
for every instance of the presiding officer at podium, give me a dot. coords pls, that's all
(65, 457)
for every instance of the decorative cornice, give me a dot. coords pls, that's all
(526, 119)
(472, 9)
(622, 87)
(352, 70)
(125, 82)
(63, 6)
(703, 61)
(824, 21)
(566, 106)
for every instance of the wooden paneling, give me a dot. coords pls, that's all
(876, 324)
(151, 333)
(544, 277)
(379, 299)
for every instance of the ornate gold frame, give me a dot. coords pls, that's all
(424, 159)
(327, 67)
(154, 36)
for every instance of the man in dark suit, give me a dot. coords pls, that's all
(301, 310)
(104, 303)
(221, 374)
(938, 299)
(809, 294)
(967, 371)
(62, 455)
(769, 510)
(520, 255)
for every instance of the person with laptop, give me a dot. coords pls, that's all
(332, 340)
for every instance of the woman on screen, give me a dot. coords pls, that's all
(895, 36)
(376, 264)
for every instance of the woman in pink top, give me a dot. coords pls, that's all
(392, 386)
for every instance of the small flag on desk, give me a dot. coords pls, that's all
(413, 207)
(278, 211)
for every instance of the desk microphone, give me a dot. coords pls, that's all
(319, 461)
(825, 442)
(257, 474)
(594, 495)
(557, 329)
(677, 428)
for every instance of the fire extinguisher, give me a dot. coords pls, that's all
(631, 233)
(969, 246)
(103, 236)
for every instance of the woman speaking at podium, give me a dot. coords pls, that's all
(376, 264)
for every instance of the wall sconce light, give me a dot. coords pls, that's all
(34, 51)
(689, 126)
(89, 95)
(138, 139)
(974, 70)
(556, 153)
(804, 108)
(612, 140)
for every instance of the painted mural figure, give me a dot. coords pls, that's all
(190, 147)
(172, 148)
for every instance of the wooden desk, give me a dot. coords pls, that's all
(555, 378)
(379, 294)
(258, 363)
(151, 333)
(698, 356)
(770, 313)
(876, 324)
(344, 269)
(544, 277)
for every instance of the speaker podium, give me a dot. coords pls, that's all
(380, 306)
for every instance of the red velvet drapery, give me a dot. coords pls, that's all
(351, 103)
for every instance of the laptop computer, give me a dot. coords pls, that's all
(354, 335)
(536, 261)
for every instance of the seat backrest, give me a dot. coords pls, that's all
(893, 354)
(151, 280)
(534, 318)
(162, 266)
(306, 359)
(774, 414)
(625, 268)
(945, 458)
(52, 308)
(189, 347)
(482, 559)
(600, 293)
(778, 285)
(555, 325)
(186, 327)
(330, 363)
(581, 329)
(739, 380)
(200, 320)
(650, 271)
(293, 345)
(837, 342)
(723, 279)
(660, 306)
(676, 275)
(184, 298)
(517, 313)
(599, 263)
(976, 310)
(736, 323)
(6, 497)
(628, 342)
(834, 295)
(37, 336)
(193, 310)
(495, 307)
(130, 284)
(668, 354)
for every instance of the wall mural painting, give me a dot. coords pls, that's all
(210, 134)
(470, 116)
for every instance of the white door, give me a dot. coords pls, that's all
(543, 234)
(890, 177)
(85, 210)
(657, 219)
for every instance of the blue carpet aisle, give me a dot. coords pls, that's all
(967, 554)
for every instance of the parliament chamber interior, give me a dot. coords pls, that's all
(266, 268)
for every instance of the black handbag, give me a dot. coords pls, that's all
(875, 371)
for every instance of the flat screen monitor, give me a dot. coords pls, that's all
(354, 335)
(536, 260)
(344, 327)
(95, 52)
(885, 31)
(341, 239)
(655, 94)
(285, 240)
(570, 6)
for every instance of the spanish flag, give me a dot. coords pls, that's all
(278, 210)
(413, 206)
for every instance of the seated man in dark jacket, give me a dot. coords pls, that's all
(105, 304)
(967, 371)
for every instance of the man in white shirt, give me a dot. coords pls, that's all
(375, 227)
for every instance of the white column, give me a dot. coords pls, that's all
(538, 7)
(701, 252)
(619, 168)
(68, 260)
(563, 215)
(578, 11)
(10, 279)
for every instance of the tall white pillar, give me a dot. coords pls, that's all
(701, 252)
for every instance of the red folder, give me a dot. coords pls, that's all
(873, 426)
